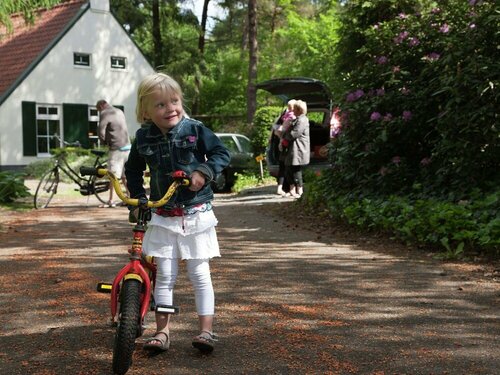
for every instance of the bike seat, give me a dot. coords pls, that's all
(98, 152)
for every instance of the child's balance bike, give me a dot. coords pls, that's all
(132, 287)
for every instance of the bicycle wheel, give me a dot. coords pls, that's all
(100, 187)
(46, 189)
(129, 326)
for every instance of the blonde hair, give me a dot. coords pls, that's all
(300, 105)
(291, 103)
(151, 83)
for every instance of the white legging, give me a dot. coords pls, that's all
(199, 274)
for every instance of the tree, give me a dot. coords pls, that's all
(26, 7)
(158, 60)
(252, 54)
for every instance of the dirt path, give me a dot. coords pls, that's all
(290, 300)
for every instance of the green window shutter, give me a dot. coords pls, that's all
(76, 123)
(29, 128)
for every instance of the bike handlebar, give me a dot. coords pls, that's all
(180, 179)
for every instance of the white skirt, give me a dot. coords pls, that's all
(184, 237)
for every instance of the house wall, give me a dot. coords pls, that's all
(55, 80)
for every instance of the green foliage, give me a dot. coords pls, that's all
(12, 187)
(250, 179)
(26, 7)
(75, 156)
(422, 101)
(452, 226)
(264, 118)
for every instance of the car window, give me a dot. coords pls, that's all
(230, 143)
(245, 144)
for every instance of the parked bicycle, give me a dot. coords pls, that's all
(133, 286)
(48, 185)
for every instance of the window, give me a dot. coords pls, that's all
(229, 142)
(48, 126)
(118, 62)
(245, 144)
(81, 59)
(94, 127)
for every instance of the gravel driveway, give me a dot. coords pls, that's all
(292, 298)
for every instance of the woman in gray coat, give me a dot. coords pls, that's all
(297, 143)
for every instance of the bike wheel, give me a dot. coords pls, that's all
(129, 326)
(46, 189)
(100, 187)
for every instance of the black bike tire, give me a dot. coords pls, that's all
(100, 187)
(52, 178)
(129, 324)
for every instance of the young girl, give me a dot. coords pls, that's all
(184, 228)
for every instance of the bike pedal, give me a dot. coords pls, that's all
(104, 287)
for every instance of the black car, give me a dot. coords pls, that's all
(319, 108)
(242, 159)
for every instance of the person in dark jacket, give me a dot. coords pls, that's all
(296, 142)
(183, 229)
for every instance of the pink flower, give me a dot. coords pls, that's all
(407, 115)
(396, 160)
(375, 116)
(445, 28)
(402, 36)
(380, 92)
(425, 161)
(382, 60)
(413, 42)
(472, 26)
(433, 56)
(402, 16)
(355, 95)
(396, 69)
(191, 139)
(387, 117)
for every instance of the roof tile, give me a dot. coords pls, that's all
(19, 48)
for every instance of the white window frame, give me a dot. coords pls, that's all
(118, 67)
(47, 116)
(81, 66)
(95, 118)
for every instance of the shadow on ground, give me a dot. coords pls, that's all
(288, 302)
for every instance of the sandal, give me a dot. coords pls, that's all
(205, 341)
(161, 345)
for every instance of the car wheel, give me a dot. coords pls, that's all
(220, 184)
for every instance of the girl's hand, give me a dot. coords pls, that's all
(197, 181)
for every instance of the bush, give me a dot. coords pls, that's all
(12, 187)
(250, 179)
(422, 102)
(451, 226)
(264, 118)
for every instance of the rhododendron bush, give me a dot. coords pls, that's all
(418, 154)
(420, 100)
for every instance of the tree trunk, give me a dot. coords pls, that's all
(252, 66)
(157, 35)
(201, 39)
(201, 64)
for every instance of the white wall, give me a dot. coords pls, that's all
(55, 80)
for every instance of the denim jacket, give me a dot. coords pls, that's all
(189, 146)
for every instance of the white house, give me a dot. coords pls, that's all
(53, 72)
